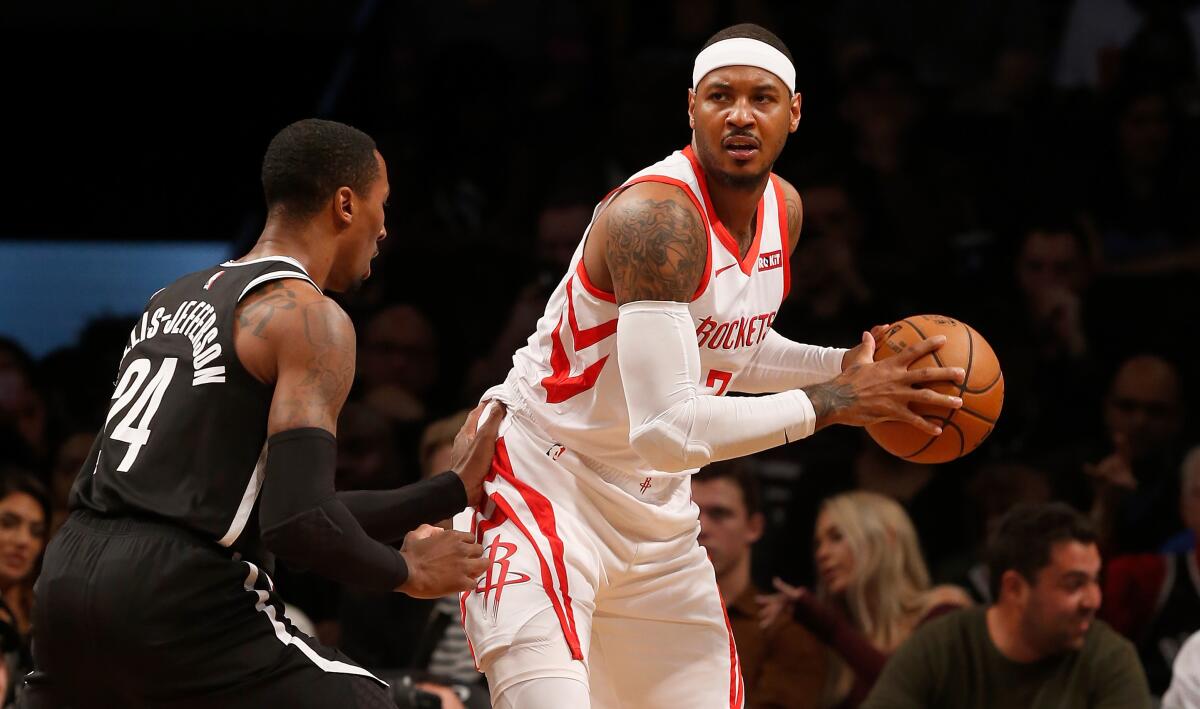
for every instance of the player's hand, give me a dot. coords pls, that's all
(474, 446)
(870, 392)
(864, 351)
(440, 562)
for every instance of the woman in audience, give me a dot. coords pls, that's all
(24, 513)
(873, 590)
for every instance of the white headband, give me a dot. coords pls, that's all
(743, 51)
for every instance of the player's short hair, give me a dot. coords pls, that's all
(750, 30)
(311, 159)
(1025, 535)
(737, 471)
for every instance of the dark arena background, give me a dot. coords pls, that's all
(1028, 167)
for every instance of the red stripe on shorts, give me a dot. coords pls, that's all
(736, 688)
(547, 579)
(543, 514)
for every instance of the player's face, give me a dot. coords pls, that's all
(360, 242)
(22, 536)
(1061, 605)
(741, 117)
(833, 555)
(726, 529)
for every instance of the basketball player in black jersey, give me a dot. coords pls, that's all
(218, 452)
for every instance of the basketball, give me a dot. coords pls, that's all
(982, 391)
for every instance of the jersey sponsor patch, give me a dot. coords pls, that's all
(768, 261)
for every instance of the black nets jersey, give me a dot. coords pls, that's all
(184, 438)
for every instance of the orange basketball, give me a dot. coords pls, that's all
(982, 391)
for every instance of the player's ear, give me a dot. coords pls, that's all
(343, 204)
(692, 109)
(795, 110)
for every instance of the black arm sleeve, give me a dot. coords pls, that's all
(387, 515)
(304, 523)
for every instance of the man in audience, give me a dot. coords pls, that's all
(1039, 646)
(783, 666)
(1136, 485)
(1154, 599)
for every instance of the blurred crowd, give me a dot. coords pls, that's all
(1027, 167)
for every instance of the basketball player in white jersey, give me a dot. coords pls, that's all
(598, 593)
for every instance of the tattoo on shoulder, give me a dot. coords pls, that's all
(793, 220)
(258, 308)
(656, 250)
(329, 370)
(830, 397)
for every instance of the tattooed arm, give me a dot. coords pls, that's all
(656, 246)
(655, 252)
(303, 343)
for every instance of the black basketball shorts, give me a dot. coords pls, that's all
(137, 613)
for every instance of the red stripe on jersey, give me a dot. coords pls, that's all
(592, 335)
(784, 235)
(723, 234)
(560, 385)
(543, 514)
(592, 288)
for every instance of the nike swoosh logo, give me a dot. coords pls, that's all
(723, 269)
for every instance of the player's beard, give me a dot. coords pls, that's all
(739, 183)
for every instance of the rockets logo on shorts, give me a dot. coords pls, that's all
(497, 576)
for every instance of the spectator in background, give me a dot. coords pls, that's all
(873, 591)
(994, 490)
(1050, 374)
(1142, 190)
(1038, 647)
(913, 192)
(398, 363)
(1185, 680)
(783, 665)
(1135, 502)
(24, 515)
(1154, 599)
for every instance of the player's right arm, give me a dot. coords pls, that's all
(304, 344)
(654, 246)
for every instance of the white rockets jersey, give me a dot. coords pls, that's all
(567, 376)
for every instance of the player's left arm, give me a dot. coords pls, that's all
(780, 364)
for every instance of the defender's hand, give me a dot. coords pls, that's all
(473, 449)
(440, 562)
